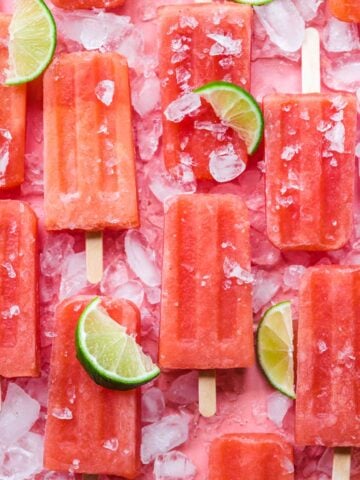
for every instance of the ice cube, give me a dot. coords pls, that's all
(224, 45)
(162, 436)
(266, 286)
(308, 8)
(277, 407)
(340, 36)
(73, 275)
(146, 94)
(24, 458)
(336, 137)
(179, 179)
(342, 72)
(105, 91)
(132, 291)
(56, 248)
(115, 274)
(184, 389)
(173, 466)
(149, 131)
(233, 270)
(283, 23)
(111, 444)
(141, 258)
(182, 106)
(34, 182)
(292, 276)
(18, 414)
(262, 250)
(225, 164)
(153, 405)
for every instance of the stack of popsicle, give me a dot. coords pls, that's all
(12, 120)
(199, 44)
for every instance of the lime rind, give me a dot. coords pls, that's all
(238, 109)
(33, 33)
(117, 346)
(275, 348)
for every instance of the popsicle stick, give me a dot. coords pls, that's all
(207, 392)
(341, 464)
(311, 81)
(94, 256)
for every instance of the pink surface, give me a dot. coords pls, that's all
(246, 402)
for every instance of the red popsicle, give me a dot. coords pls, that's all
(199, 44)
(206, 313)
(87, 4)
(12, 120)
(90, 429)
(18, 290)
(346, 10)
(257, 456)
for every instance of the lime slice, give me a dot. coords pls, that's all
(236, 108)
(253, 2)
(275, 347)
(110, 356)
(32, 41)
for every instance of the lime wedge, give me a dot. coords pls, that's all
(110, 356)
(253, 2)
(236, 108)
(32, 41)
(275, 347)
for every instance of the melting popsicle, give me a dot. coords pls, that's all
(328, 381)
(346, 10)
(12, 120)
(259, 456)
(199, 44)
(90, 429)
(206, 311)
(310, 162)
(87, 4)
(90, 179)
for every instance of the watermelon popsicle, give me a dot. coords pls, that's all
(87, 4)
(201, 43)
(206, 308)
(12, 121)
(90, 181)
(259, 456)
(310, 163)
(18, 290)
(346, 10)
(98, 429)
(328, 361)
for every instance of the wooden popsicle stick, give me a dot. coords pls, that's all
(341, 463)
(310, 54)
(94, 256)
(207, 392)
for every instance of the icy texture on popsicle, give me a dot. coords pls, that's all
(345, 10)
(89, 153)
(18, 290)
(200, 44)
(328, 383)
(259, 456)
(310, 161)
(12, 120)
(206, 314)
(74, 4)
(90, 429)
